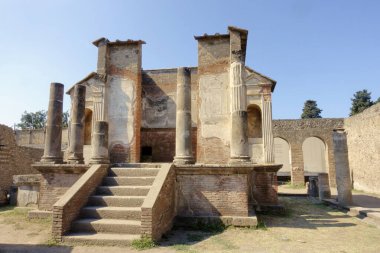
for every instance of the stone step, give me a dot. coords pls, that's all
(121, 201)
(137, 165)
(100, 239)
(140, 181)
(123, 190)
(111, 212)
(107, 226)
(133, 172)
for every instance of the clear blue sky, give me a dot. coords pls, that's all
(320, 50)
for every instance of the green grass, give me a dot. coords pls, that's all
(289, 185)
(225, 244)
(261, 225)
(183, 248)
(143, 243)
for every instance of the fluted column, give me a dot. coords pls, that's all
(183, 149)
(239, 116)
(267, 124)
(99, 143)
(52, 151)
(99, 105)
(76, 126)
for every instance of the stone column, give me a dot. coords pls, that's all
(99, 143)
(239, 116)
(52, 151)
(183, 150)
(76, 126)
(342, 169)
(267, 124)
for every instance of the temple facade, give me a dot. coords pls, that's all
(230, 103)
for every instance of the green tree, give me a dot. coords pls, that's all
(37, 120)
(360, 101)
(65, 119)
(310, 110)
(33, 120)
(378, 100)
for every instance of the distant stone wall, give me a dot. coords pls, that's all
(295, 132)
(36, 138)
(15, 160)
(363, 141)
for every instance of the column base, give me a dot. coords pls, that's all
(181, 160)
(239, 159)
(51, 160)
(99, 160)
(75, 159)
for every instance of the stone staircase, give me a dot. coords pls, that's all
(112, 215)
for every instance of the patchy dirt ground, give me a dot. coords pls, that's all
(305, 227)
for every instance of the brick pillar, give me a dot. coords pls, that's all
(297, 176)
(53, 139)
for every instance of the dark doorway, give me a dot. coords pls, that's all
(146, 154)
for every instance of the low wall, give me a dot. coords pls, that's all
(158, 210)
(224, 190)
(67, 208)
(28, 189)
(363, 141)
(56, 179)
(15, 160)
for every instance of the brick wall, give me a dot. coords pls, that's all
(363, 142)
(162, 141)
(263, 188)
(15, 160)
(295, 132)
(53, 186)
(211, 194)
(67, 208)
(158, 209)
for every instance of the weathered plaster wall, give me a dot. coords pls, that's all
(159, 91)
(295, 132)
(124, 103)
(213, 103)
(363, 141)
(15, 160)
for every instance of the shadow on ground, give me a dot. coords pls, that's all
(366, 201)
(302, 212)
(21, 248)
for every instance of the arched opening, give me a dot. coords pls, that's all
(87, 126)
(314, 156)
(254, 122)
(282, 155)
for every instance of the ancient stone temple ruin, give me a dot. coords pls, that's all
(153, 148)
